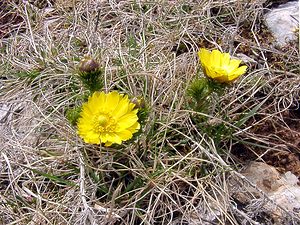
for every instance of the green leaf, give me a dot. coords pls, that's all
(248, 115)
(53, 178)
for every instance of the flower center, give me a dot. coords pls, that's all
(102, 120)
(104, 123)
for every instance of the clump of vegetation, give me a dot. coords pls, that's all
(109, 116)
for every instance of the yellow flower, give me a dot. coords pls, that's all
(107, 118)
(219, 66)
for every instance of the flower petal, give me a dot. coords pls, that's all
(122, 108)
(234, 64)
(91, 138)
(204, 56)
(125, 135)
(97, 102)
(134, 128)
(112, 100)
(114, 138)
(222, 79)
(237, 72)
(215, 59)
(215, 73)
(127, 120)
(107, 144)
(225, 59)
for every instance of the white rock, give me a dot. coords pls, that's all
(289, 178)
(283, 22)
(287, 197)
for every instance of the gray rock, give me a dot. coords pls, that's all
(282, 189)
(283, 22)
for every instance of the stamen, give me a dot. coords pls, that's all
(104, 123)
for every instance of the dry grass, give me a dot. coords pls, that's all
(175, 171)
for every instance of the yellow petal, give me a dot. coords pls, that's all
(112, 100)
(107, 144)
(234, 63)
(91, 138)
(204, 56)
(87, 110)
(125, 135)
(122, 108)
(237, 72)
(215, 59)
(222, 79)
(225, 59)
(214, 73)
(97, 101)
(127, 120)
(134, 128)
(114, 138)
(104, 137)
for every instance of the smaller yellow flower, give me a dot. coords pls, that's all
(219, 67)
(108, 118)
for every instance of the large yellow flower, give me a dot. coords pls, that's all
(219, 66)
(107, 118)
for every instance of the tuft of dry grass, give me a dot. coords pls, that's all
(177, 170)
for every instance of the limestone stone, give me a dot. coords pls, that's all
(283, 22)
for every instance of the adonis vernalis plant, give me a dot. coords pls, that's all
(219, 67)
(205, 92)
(108, 118)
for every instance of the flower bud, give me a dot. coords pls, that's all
(139, 102)
(88, 65)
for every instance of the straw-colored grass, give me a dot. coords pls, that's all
(177, 170)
